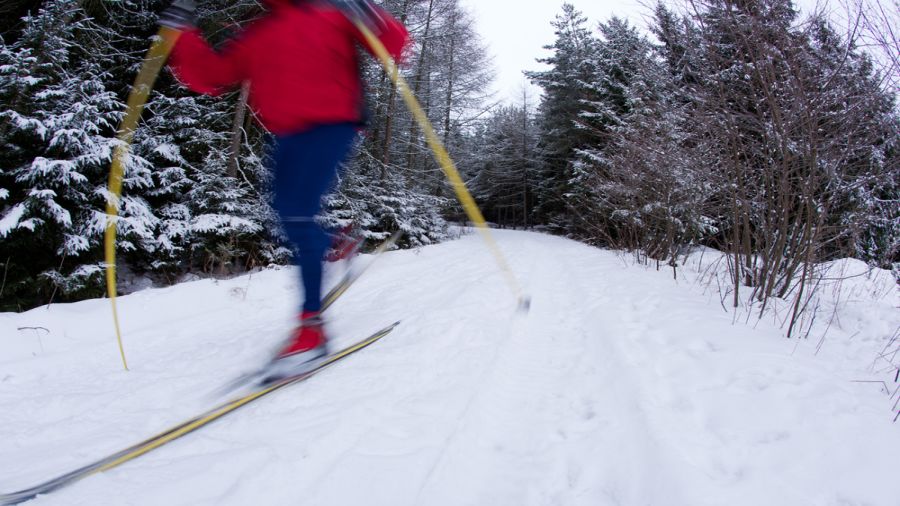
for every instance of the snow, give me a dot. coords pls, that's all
(23, 122)
(170, 152)
(216, 222)
(11, 219)
(621, 386)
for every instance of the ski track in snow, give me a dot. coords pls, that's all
(619, 387)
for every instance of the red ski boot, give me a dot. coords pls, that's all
(305, 347)
(345, 245)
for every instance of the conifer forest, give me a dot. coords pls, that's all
(738, 125)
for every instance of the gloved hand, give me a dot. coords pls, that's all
(180, 15)
(362, 10)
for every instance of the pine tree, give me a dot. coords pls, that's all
(380, 200)
(615, 65)
(643, 188)
(861, 151)
(503, 168)
(56, 137)
(195, 195)
(795, 132)
(208, 205)
(394, 182)
(560, 113)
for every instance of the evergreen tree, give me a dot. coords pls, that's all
(644, 186)
(380, 200)
(503, 166)
(56, 135)
(619, 57)
(560, 110)
(794, 131)
(394, 181)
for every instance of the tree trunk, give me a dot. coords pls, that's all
(417, 86)
(237, 131)
(391, 108)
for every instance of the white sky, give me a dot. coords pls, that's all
(515, 32)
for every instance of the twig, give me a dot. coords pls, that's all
(36, 333)
(883, 384)
(34, 328)
(247, 289)
(5, 270)
(56, 285)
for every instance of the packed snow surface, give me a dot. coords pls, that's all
(621, 386)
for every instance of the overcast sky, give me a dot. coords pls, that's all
(515, 32)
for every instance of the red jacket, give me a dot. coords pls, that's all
(300, 60)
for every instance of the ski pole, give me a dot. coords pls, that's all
(143, 83)
(446, 163)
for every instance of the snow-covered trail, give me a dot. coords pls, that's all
(619, 387)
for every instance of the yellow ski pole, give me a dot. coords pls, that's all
(446, 163)
(155, 59)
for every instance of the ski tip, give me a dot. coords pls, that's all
(524, 304)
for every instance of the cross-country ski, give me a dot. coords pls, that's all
(644, 254)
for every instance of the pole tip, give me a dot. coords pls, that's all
(524, 304)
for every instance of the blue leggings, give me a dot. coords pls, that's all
(306, 167)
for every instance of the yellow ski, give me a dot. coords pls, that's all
(182, 429)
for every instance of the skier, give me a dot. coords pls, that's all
(300, 61)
